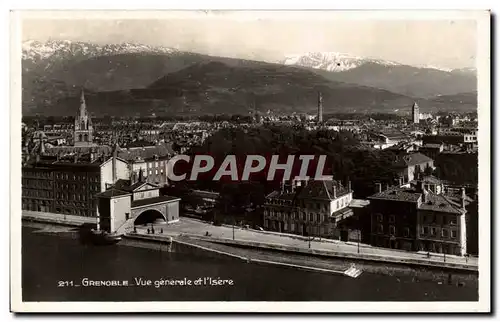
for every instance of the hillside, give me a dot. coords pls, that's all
(406, 80)
(215, 87)
(136, 79)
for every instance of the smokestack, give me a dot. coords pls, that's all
(378, 186)
(320, 108)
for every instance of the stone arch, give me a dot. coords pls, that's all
(148, 216)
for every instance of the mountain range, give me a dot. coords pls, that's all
(130, 79)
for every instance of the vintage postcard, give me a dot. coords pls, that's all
(250, 161)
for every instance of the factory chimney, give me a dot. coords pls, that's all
(320, 108)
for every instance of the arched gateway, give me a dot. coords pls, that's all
(125, 205)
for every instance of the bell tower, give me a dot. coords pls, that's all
(83, 134)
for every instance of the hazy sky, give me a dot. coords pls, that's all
(449, 43)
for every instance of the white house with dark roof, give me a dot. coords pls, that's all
(412, 164)
(126, 205)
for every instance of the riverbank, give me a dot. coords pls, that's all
(289, 260)
(324, 255)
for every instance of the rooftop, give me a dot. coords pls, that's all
(415, 159)
(147, 152)
(110, 193)
(323, 189)
(434, 202)
(150, 201)
(432, 145)
(398, 194)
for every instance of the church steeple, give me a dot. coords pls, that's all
(83, 135)
(83, 106)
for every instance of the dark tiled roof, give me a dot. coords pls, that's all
(147, 152)
(281, 195)
(113, 193)
(150, 201)
(323, 190)
(394, 134)
(439, 203)
(121, 184)
(126, 186)
(99, 149)
(398, 194)
(415, 158)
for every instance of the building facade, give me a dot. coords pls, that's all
(69, 186)
(308, 208)
(421, 217)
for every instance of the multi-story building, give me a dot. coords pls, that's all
(151, 159)
(69, 186)
(311, 208)
(421, 217)
(412, 164)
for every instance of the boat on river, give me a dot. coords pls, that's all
(90, 235)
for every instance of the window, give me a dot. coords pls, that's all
(392, 230)
(453, 234)
(318, 219)
(311, 217)
(156, 172)
(392, 219)
(379, 218)
(156, 164)
(433, 231)
(407, 232)
(444, 233)
(453, 220)
(380, 229)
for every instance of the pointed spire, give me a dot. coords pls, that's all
(83, 106)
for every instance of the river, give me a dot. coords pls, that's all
(51, 262)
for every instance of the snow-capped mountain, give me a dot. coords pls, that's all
(44, 53)
(331, 61)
